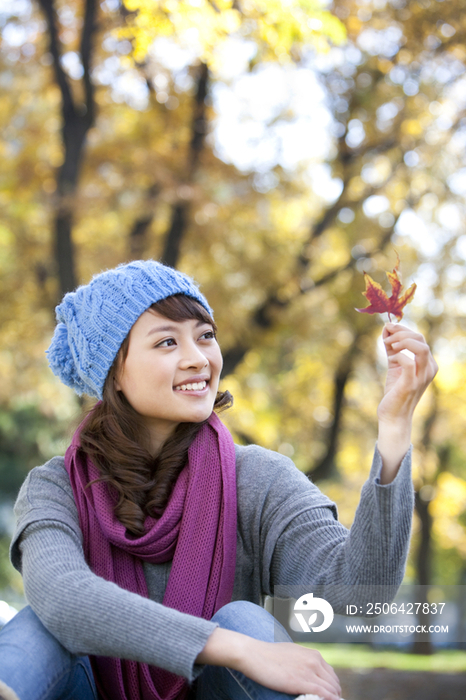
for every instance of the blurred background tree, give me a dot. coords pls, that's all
(274, 151)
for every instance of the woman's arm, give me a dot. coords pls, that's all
(306, 546)
(92, 616)
(407, 379)
(281, 666)
(86, 613)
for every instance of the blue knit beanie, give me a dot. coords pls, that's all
(94, 320)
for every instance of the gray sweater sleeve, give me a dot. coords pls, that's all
(86, 613)
(303, 544)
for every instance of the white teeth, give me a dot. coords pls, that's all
(197, 386)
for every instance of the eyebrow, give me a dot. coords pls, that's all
(171, 328)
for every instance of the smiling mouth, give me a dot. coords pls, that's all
(194, 386)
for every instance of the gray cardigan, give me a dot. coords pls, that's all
(287, 534)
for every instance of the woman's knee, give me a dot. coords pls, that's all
(26, 632)
(251, 619)
(233, 614)
(35, 664)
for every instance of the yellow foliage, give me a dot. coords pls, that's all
(397, 189)
(384, 65)
(356, 187)
(277, 26)
(332, 258)
(451, 376)
(451, 496)
(411, 127)
(354, 24)
(6, 238)
(449, 503)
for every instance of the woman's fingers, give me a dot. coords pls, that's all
(391, 328)
(402, 337)
(329, 677)
(420, 352)
(398, 338)
(330, 673)
(422, 361)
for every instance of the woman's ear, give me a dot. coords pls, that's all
(116, 382)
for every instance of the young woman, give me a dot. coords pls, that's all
(147, 550)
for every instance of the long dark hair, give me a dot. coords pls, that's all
(116, 440)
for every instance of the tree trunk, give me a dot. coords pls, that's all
(422, 644)
(77, 120)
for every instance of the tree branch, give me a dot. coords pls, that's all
(138, 234)
(175, 233)
(325, 467)
(199, 120)
(180, 212)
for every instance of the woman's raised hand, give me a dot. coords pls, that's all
(407, 379)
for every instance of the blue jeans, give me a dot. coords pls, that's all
(37, 667)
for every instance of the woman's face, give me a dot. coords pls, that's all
(171, 373)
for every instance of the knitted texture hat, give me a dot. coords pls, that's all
(94, 320)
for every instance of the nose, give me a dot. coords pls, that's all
(193, 357)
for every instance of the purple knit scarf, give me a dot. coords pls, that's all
(197, 530)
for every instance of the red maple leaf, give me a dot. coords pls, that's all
(380, 302)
